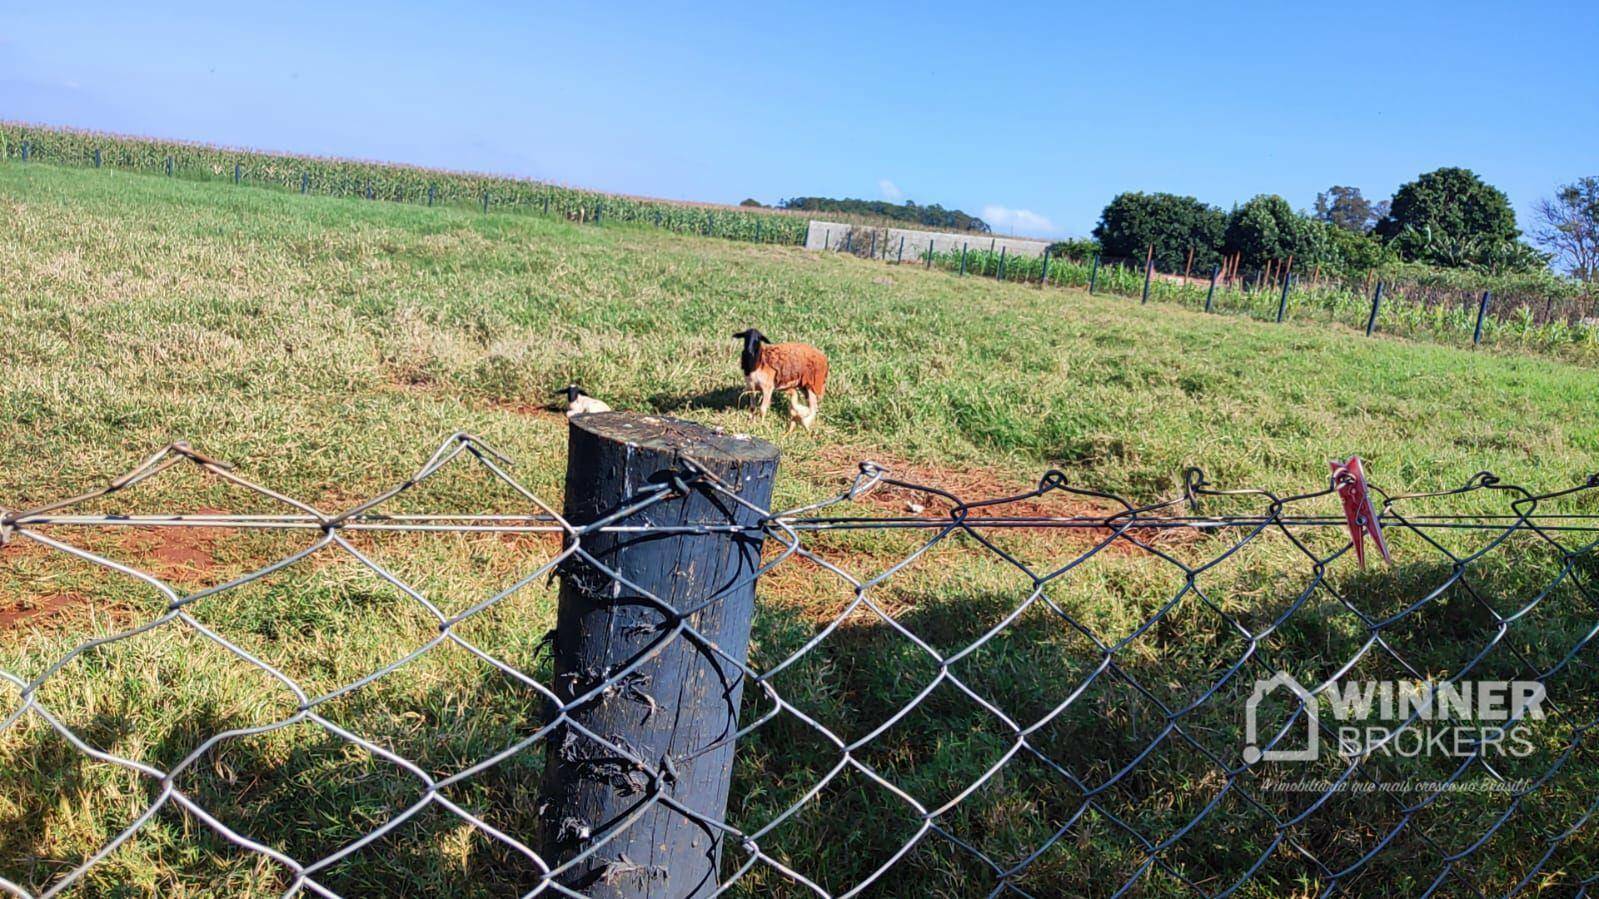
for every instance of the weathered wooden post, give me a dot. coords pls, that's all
(665, 699)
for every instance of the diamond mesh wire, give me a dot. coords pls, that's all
(1105, 759)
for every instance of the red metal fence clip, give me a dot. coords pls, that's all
(1350, 480)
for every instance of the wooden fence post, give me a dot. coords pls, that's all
(668, 701)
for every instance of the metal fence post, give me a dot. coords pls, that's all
(1482, 311)
(432, 194)
(757, 229)
(485, 201)
(1282, 304)
(26, 147)
(1210, 295)
(237, 167)
(873, 253)
(710, 225)
(901, 259)
(849, 240)
(1043, 279)
(367, 191)
(305, 181)
(1093, 275)
(1149, 271)
(664, 703)
(930, 243)
(999, 272)
(963, 258)
(169, 166)
(97, 160)
(1376, 300)
(827, 238)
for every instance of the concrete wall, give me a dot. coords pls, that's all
(832, 236)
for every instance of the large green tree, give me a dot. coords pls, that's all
(1266, 228)
(1449, 217)
(1348, 209)
(1173, 224)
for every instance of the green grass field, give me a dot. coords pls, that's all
(327, 346)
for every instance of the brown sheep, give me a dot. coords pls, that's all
(795, 368)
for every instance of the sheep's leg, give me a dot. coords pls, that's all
(766, 399)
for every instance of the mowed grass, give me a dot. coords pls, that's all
(326, 346)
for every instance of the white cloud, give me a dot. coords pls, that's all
(891, 191)
(1023, 221)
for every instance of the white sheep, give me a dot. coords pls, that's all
(580, 403)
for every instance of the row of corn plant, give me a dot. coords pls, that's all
(382, 181)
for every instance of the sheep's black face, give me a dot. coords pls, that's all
(752, 348)
(571, 392)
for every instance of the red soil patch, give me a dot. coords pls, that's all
(978, 485)
(15, 613)
(178, 555)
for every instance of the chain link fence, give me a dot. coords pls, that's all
(1045, 694)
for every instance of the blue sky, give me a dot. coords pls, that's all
(1030, 115)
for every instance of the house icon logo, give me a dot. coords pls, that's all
(1312, 744)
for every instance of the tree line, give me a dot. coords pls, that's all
(934, 216)
(1449, 218)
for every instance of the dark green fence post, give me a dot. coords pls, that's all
(1043, 280)
(930, 243)
(547, 208)
(674, 710)
(1482, 311)
(901, 260)
(367, 190)
(1376, 300)
(710, 225)
(873, 253)
(599, 211)
(97, 158)
(999, 271)
(1282, 304)
(827, 238)
(26, 147)
(1210, 295)
(433, 193)
(963, 258)
(305, 181)
(849, 240)
(485, 201)
(757, 230)
(169, 166)
(1093, 275)
(237, 167)
(1149, 272)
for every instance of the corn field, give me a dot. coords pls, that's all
(383, 181)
